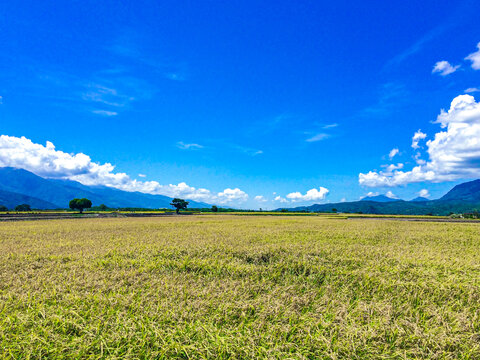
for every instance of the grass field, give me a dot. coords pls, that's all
(239, 287)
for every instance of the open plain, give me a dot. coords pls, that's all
(238, 287)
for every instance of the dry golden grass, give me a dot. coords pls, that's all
(239, 287)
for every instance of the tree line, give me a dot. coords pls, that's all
(81, 204)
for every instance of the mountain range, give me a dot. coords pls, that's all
(463, 198)
(18, 186)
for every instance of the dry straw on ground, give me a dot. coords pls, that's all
(239, 287)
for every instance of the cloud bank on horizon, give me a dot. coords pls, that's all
(46, 161)
(453, 154)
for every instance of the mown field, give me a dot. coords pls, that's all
(239, 287)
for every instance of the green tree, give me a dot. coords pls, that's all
(179, 204)
(80, 204)
(23, 207)
(3, 208)
(103, 207)
(214, 208)
(334, 210)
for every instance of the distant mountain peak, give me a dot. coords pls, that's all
(420, 199)
(379, 198)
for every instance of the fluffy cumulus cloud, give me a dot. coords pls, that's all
(369, 194)
(424, 193)
(280, 199)
(390, 168)
(260, 198)
(475, 58)
(47, 161)
(310, 195)
(453, 153)
(419, 135)
(391, 195)
(232, 195)
(444, 68)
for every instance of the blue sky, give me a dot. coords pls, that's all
(262, 99)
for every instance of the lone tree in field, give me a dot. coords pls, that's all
(214, 208)
(80, 204)
(179, 204)
(23, 207)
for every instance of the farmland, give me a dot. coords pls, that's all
(237, 287)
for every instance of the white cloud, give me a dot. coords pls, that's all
(260, 198)
(281, 199)
(419, 135)
(453, 153)
(232, 195)
(183, 146)
(343, 200)
(330, 126)
(105, 112)
(392, 153)
(444, 68)
(391, 195)
(311, 195)
(48, 162)
(418, 159)
(318, 137)
(472, 90)
(370, 194)
(392, 167)
(424, 193)
(475, 58)
(142, 175)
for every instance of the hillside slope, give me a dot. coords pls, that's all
(467, 192)
(11, 199)
(59, 192)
